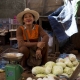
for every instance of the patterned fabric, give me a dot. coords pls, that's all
(31, 35)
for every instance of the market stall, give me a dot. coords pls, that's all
(60, 66)
(65, 67)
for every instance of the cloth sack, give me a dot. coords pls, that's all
(32, 61)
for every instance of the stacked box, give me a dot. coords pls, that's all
(14, 24)
(4, 27)
(12, 29)
(5, 23)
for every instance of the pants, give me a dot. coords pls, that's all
(25, 51)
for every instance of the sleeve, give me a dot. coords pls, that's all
(20, 40)
(43, 34)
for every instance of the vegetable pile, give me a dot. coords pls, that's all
(63, 66)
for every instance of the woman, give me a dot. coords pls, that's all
(34, 33)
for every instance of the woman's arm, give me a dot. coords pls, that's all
(44, 35)
(20, 40)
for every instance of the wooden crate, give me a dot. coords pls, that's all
(4, 24)
(76, 39)
(55, 47)
(12, 29)
(4, 39)
(78, 12)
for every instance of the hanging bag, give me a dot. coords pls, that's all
(32, 61)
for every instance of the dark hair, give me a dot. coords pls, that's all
(33, 17)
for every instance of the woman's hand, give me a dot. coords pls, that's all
(41, 45)
(38, 54)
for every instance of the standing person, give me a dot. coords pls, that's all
(27, 18)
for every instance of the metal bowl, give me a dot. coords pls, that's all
(12, 56)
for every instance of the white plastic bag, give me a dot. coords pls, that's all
(50, 42)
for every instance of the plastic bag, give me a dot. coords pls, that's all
(63, 22)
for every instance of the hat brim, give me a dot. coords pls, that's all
(20, 15)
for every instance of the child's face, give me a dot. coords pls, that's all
(28, 18)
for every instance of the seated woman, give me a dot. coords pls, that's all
(34, 33)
